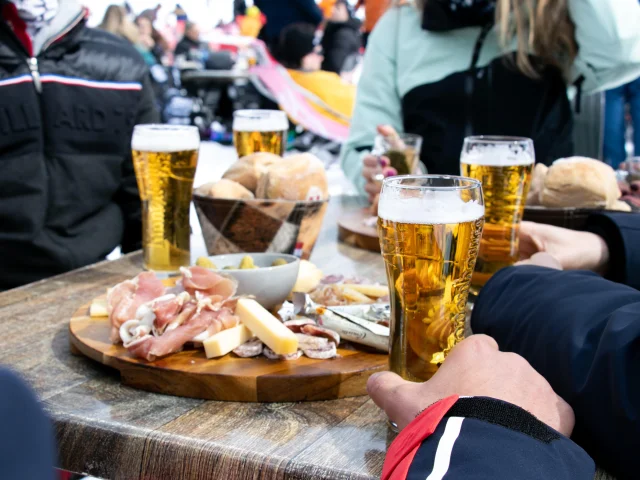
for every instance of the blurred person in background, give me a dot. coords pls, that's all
(300, 53)
(189, 47)
(615, 122)
(150, 38)
(69, 99)
(449, 69)
(341, 39)
(239, 8)
(282, 13)
(116, 21)
(373, 11)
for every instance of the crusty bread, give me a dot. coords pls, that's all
(225, 189)
(580, 182)
(298, 177)
(248, 170)
(537, 183)
(621, 206)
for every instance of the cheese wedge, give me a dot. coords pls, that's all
(223, 342)
(373, 291)
(309, 277)
(98, 308)
(266, 327)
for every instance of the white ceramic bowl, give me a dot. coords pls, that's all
(269, 285)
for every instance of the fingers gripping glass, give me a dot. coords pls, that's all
(403, 152)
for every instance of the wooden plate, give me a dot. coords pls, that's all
(353, 231)
(190, 374)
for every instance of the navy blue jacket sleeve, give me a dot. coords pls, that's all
(482, 438)
(26, 443)
(582, 333)
(621, 232)
(311, 11)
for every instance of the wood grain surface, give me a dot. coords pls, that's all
(191, 374)
(353, 231)
(117, 432)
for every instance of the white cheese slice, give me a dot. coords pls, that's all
(98, 308)
(223, 342)
(266, 327)
(309, 277)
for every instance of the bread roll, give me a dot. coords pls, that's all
(298, 177)
(225, 189)
(580, 182)
(248, 170)
(621, 206)
(537, 183)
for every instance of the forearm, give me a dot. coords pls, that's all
(483, 438)
(576, 330)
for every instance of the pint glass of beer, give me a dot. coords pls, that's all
(430, 228)
(260, 131)
(165, 159)
(504, 166)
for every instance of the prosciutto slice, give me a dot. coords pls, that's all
(207, 283)
(124, 299)
(150, 347)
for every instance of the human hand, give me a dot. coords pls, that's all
(375, 168)
(542, 259)
(476, 368)
(572, 249)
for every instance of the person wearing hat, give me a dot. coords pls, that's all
(301, 53)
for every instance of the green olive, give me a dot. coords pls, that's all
(229, 267)
(279, 262)
(205, 262)
(247, 263)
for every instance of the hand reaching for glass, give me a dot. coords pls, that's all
(376, 168)
(572, 249)
(476, 368)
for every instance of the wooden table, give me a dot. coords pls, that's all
(115, 432)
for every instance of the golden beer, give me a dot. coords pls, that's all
(165, 159)
(505, 173)
(260, 131)
(429, 246)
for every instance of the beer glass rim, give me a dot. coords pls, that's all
(257, 114)
(506, 139)
(165, 127)
(458, 183)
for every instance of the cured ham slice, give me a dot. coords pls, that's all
(166, 310)
(205, 282)
(317, 331)
(150, 347)
(124, 299)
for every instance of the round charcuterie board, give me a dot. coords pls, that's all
(190, 374)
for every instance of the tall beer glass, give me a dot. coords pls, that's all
(430, 228)
(165, 159)
(504, 166)
(260, 131)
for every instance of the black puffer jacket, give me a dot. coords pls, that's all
(68, 194)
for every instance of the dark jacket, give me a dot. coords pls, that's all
(68, 193)
(340, 41)
(282, 13)
(27, 448)
(582, 333)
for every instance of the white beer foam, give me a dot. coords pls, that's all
(261, 122)
(165, 139)
(429, 207)
(497, 156)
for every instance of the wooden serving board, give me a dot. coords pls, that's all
(353, 231)
(190, 374)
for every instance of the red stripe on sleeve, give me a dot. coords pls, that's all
(404, 447)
